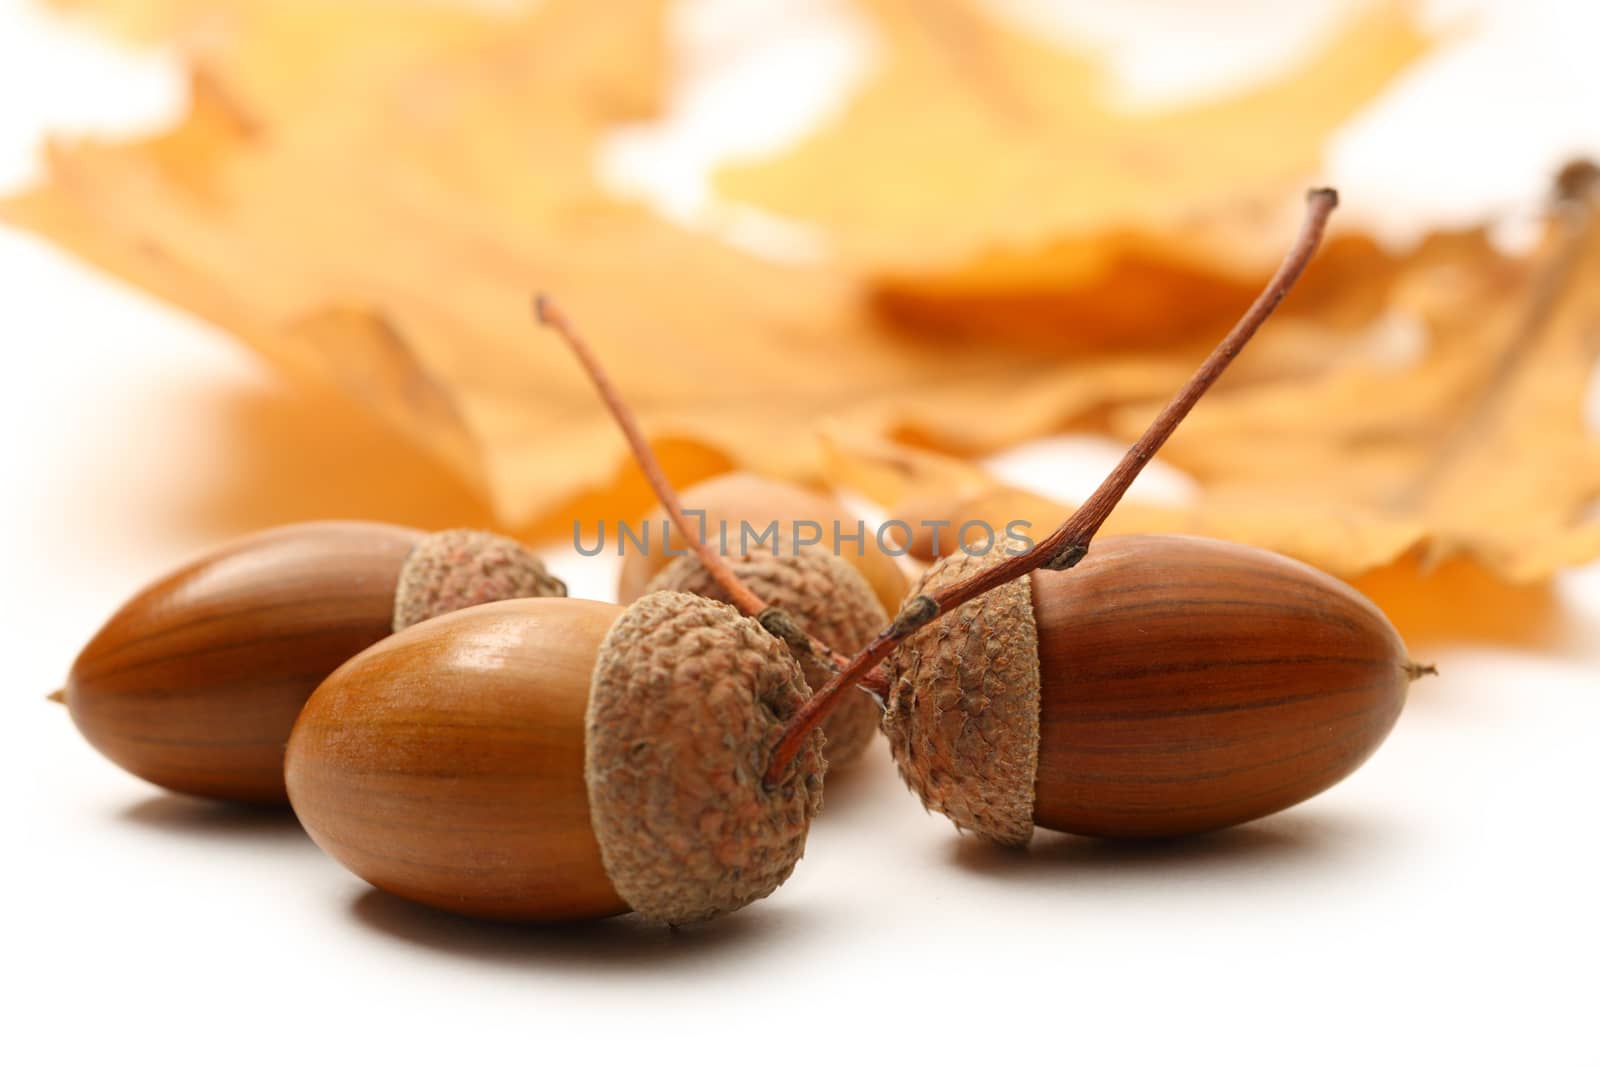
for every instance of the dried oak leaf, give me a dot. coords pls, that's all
(988, 187)
(387, 236)
(1469, 443)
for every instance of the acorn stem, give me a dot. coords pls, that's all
(774, 620)
(59, 697)
(1415, 670)
(1067, 546)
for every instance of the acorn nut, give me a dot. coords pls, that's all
(562, 759)
(1165, 685)
(194, 683)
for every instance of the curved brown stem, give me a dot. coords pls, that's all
(1065, 547)
(774, 620)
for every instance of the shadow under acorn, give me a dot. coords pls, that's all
(215, 821)
(1291, 840)
(620, 943)
(624, 941)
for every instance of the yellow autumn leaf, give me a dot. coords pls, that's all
(386, 236)
(1481, 442)
(985, 183)
(390, 243)
(414, 299)
(1470, 444)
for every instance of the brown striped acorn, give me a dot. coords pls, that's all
(194, 683)
(562, 759)
(1165, 685)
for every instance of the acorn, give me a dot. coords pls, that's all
(1165, 685)
(560, 760)
(731, 499)
(194, 683)
(830, 601)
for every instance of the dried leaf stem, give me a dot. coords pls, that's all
(1573, 219)
(775, 620)
(1070, 542)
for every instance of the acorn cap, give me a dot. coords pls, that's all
(828, 599)
(963, 716)
(687, 701)
(454, 569)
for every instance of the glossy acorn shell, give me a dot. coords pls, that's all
(446, 763)
(1190, 684)
(195, 683)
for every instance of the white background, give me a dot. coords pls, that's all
(1439, 907)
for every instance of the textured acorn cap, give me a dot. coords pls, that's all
(687, 701)
(454, 569)
(828, 599)
(963, 716)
